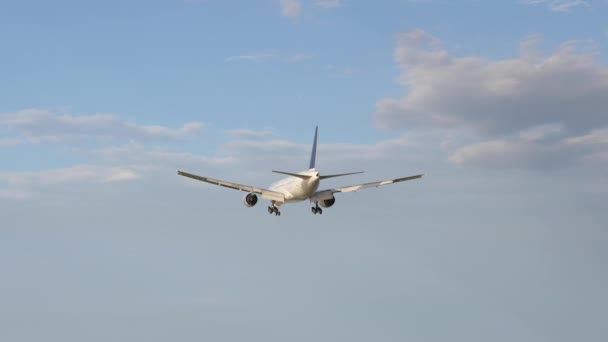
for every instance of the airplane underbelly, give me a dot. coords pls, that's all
(301, 191)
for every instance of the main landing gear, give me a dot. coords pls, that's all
(272, 209)
(316, 209)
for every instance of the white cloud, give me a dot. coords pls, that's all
(566, 5)
(242, 158)
(300, 57)
(44, 126)
(126, 163)
(512, 154)
(348, 71)
(135, 153)
(542, 132)
(539, 147)
(256, 148)
(249, 133)
(328, 3)
(496, 96)
(506, 105)
(341, 70)
(290, 8)
(252, 57)
(120, 175)
(269, 56)
(109, 165)
(277, 148)
(10, 142)
(557, 5)
(14, 195)
(598, 136)
(73, 174)
(522, 152)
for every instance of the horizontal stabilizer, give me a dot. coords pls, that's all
(293, 174)
(340, 175)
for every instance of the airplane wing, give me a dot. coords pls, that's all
(266, 194)
(327, 194)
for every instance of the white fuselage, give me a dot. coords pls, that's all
(297, 189)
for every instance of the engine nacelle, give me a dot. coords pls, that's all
(326, 203)
(250, 200)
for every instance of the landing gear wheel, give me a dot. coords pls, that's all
(274, 210)
(316, 209)
(320, 211)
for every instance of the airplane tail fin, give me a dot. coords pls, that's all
(313, 154)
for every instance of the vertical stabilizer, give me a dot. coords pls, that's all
(313, 154)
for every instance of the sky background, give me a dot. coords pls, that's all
(501, 104)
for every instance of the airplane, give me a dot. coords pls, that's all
(296, 187)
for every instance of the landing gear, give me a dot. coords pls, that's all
(316, 209)
(272, 209)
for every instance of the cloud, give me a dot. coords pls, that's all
(497, 102)
(248, 156)
(279, 148)
(518, 154)
(328, 3)
(109, 165)
(135, 153)
(300, 57)
(44, 126)
(343, 71)
(249, 134)
(271, 56)
(120, 175)
(72, 174)
(557, 5)
(290, 8)
(565, 6)
(245, 156)
(523, 152)
(252, 57)
(256, 148)
(96, 165)
(10, 142)
(14, 195)
(599, 136)
(348, 71)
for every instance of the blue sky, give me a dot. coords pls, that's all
(502, 105)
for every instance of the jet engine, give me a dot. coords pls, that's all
(326, 203)
(250, 200)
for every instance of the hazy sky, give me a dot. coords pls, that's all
(503, 105)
